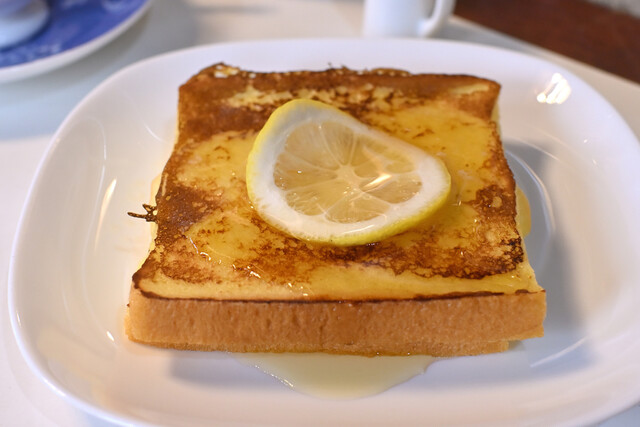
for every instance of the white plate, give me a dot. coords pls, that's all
(576, 159)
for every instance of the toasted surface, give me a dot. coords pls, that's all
(214, 258)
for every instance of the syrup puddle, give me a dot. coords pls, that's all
(337, 376)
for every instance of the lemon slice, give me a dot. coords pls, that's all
(319, 174)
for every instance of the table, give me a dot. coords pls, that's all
(31, 110)
(585, 30)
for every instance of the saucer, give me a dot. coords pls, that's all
(21, 24)
(74, 29)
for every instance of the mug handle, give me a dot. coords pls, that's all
(441, 11)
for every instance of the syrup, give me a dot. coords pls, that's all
(233, 242)
(337, 376)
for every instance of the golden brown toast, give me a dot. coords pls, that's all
(219, 278)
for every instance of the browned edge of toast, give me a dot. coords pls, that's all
(438, 327)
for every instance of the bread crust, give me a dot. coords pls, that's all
(439, 327)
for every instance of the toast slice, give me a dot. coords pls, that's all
(219, 278)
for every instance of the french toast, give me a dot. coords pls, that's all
(219, 278)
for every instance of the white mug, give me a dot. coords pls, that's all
(405, 18)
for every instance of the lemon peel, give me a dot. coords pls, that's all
(319, 174)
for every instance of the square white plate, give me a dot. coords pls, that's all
(572, 154)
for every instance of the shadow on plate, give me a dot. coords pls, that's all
(548, 254)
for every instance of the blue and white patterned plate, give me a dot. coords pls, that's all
(75, 29)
